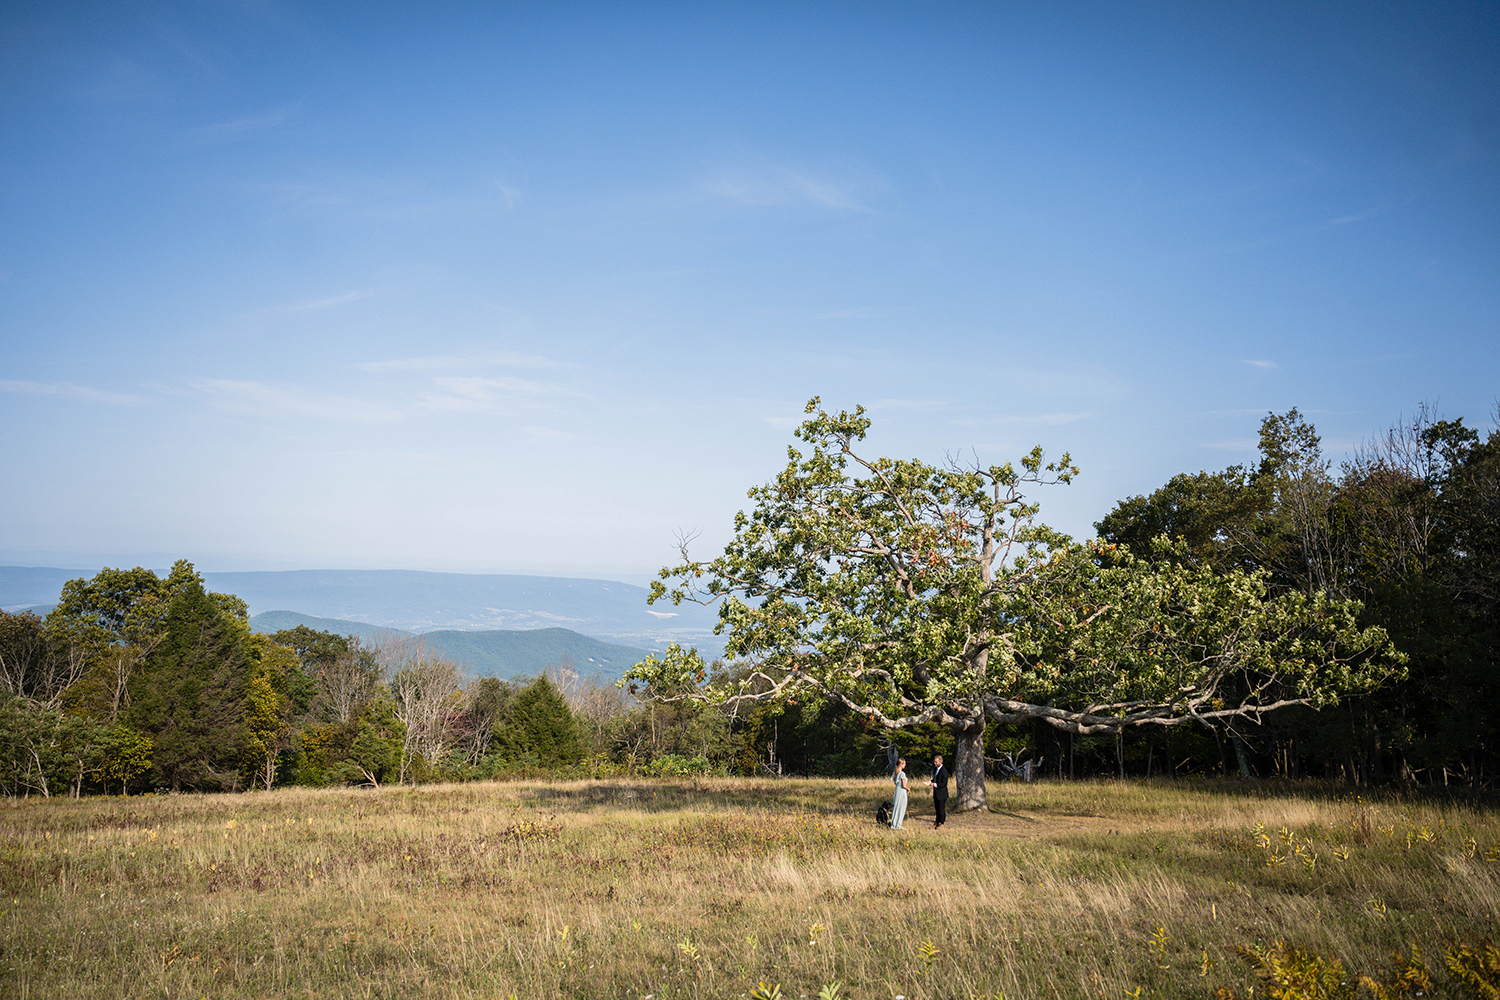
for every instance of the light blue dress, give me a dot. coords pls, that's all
(898, 804)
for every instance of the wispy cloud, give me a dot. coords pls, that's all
(395, 198)
(328, 302)
(469, 392)
(1052, 419)
(860, 312)
(768, 186)
(259, 399)
(70, 390)
(1296, 233)
(435, 362)
(1372, 213)
(306, 195)
(1257, 363)
(510, 195)
(1026, 419)
(243, 128)
(908, 404)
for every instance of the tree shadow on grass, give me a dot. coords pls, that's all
(856, 797)
(992, 810)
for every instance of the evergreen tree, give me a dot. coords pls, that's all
(189, 695)
(539, 725)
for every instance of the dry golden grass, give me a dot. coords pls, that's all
(688, 889)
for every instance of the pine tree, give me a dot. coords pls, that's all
(190, 695)
(538, 723)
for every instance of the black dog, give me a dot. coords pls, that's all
(883, 814)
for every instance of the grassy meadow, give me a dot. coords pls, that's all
(636, 889)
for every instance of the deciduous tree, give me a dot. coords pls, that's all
(427, 691)
(917, 594)
(32, 667)
(267, 709)
(347, 682)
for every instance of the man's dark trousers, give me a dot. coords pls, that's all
(940, 794)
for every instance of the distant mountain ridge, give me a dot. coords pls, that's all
(422, 602)
(33, 587)
(276, 621)
(502, 653)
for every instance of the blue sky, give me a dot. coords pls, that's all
(530, 287)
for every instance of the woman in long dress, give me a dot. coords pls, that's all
(898, 806)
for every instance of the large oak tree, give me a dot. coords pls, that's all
(914, 593)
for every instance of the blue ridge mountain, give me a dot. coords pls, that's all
(503, 653)
(269, 622)
(422, 602)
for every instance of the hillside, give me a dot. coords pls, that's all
(504, 653)
(275, 621)
(422, 602)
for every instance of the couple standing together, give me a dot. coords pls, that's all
(939, 784)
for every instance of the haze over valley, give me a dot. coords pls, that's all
(489, 624)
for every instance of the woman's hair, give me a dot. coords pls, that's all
(900, 760)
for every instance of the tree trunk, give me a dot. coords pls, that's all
(1241, 753)
(41, 775)
(968, 769)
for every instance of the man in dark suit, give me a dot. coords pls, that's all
(939, 785)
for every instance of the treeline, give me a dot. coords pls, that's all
(1410, 527)
(135, 683)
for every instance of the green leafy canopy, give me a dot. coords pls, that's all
(916, 593)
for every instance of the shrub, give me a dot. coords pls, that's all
(677, 766)
(1471, 968)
